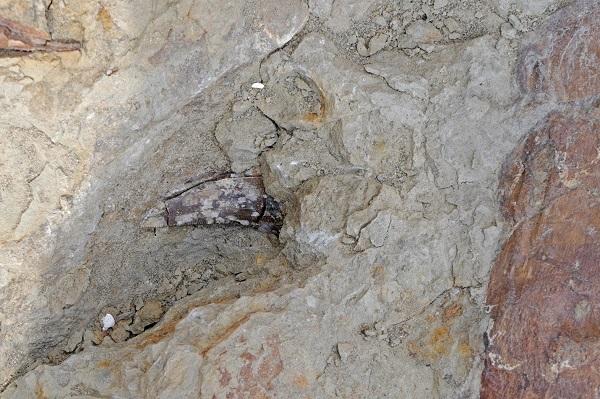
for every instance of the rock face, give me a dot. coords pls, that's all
(543, 291)
(380, 126)
(391, 227)
(18, 37)
(86, 135)
(562, 59)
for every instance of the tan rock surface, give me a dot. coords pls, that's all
(387, 167)
(73, 123)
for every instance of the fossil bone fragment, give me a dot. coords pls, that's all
(223, 199)
(15, 36)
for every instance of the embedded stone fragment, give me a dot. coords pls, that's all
(357, 120)
(375, 44)
(325, 205)
(423, 32)
(543, 291)
(340, 14)
(244, 136)
(20, 37)
(149, 314)
(563, 57)
(294, 100)
(119, 333)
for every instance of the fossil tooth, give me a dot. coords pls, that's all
(221, 199)
(230, 199)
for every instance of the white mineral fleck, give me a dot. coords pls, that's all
(258, 85)
(108, 321)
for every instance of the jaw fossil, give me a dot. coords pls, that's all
(225, 198)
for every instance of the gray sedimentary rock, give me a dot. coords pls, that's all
(388, 167)
(75, 123)
(244, 135)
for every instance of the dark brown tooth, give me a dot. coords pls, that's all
(230, 199)
(221, 201)
(272, 218)
(196, 181)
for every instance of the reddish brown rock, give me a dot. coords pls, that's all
(544, 290)
(563, 57)
(15, 36)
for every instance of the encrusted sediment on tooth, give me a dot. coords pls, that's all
(155, 218)
(220, 199)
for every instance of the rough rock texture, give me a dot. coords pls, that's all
(381, 126)
(563, 58)
(543, 291)
(88, 138)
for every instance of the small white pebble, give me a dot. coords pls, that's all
(258, 85)
(108, 321)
